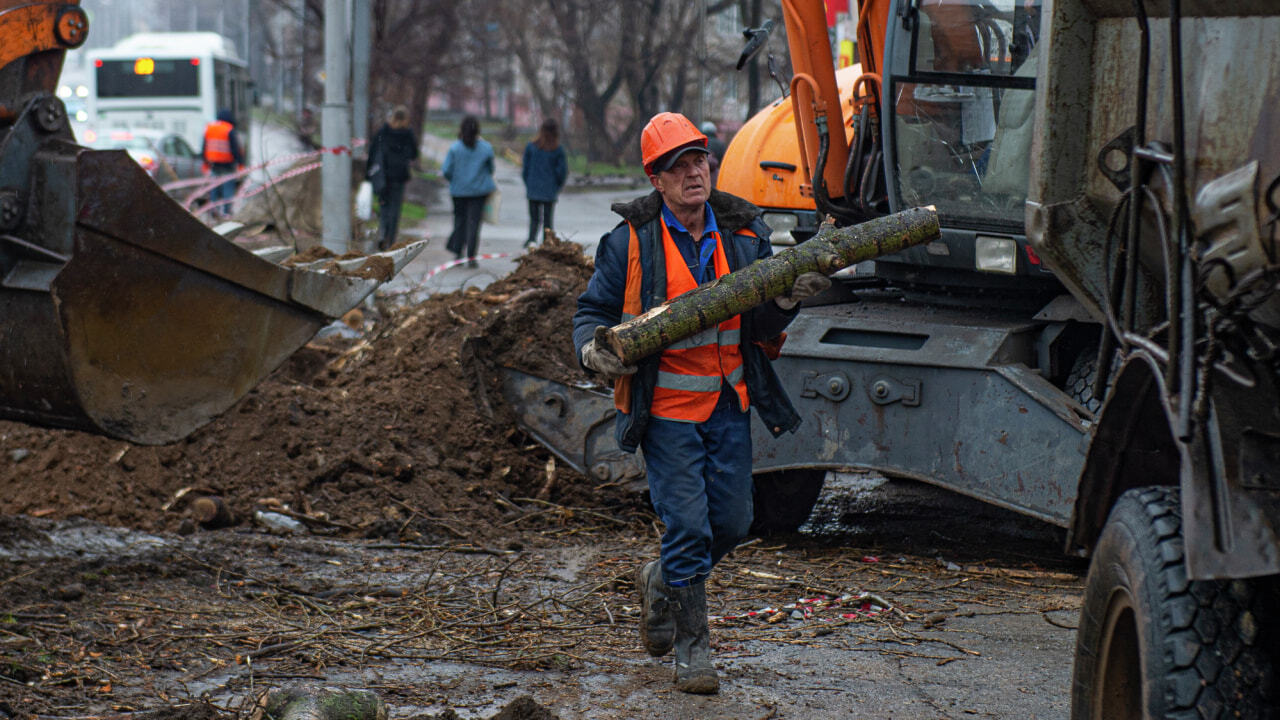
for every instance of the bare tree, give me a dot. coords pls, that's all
(618, 63)
(412, 43)
(412, 46)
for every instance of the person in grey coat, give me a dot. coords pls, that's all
(544, 170)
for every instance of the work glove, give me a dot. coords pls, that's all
(806, 286)
(604, 363)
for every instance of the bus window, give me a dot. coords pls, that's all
(167, 78)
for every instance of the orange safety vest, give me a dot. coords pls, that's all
(217, 143)
(690, 372)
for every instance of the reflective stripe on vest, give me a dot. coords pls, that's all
(690, 373)
(632, 306)
(217, 143)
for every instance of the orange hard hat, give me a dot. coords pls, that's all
(665, 132)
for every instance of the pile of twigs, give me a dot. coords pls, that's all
(230, 610)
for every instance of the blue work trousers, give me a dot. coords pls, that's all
(222, 193)
(700, 485)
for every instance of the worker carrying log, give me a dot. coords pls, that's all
(684, 312)
(687, 406)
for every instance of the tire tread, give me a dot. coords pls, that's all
(1213, 644)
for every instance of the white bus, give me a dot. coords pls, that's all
(174, 82)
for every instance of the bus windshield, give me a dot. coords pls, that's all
(158, 78)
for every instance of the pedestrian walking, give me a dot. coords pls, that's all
(393, 150)
(544, 170)
(223, 156)
(686, 407)
(468, 166)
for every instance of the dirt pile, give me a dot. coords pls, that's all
(401, 434)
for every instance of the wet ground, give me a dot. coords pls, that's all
(956, 622)
(445, 562)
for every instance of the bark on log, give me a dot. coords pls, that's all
(830, 250)
(311, 703)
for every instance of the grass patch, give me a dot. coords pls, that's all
(412, 212)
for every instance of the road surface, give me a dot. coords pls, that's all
(580, 215)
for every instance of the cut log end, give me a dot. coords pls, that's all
(211, 512)
(310, 703)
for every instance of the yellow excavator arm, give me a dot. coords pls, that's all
(121, 313)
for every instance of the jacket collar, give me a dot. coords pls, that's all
(732, 212)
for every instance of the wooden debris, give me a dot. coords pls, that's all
(707, 305)
(211, 512)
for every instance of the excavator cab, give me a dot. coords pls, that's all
(123, 314)
(961, 92)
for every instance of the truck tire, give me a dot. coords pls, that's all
(784, 499)
(1081, 377)
(1152, 644)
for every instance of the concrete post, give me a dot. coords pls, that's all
(300, 7)
(335, 130)
(361, 42)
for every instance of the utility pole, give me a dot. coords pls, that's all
(702, 61)
(301, 7)
(335, 130)
(361, 42)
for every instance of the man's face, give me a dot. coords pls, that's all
(687, 184)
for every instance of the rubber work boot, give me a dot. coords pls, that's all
(657, 626)
(694, 671)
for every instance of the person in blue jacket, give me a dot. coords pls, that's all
(544, 171)
(468, 166)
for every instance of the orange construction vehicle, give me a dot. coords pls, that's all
(122, 313)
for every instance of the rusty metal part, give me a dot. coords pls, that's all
(576, 424)
(38, 25)
(34, 37)
(1194, 305)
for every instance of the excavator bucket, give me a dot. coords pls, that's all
(122, 314)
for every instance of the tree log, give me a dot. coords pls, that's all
(312, 703)
(707, 305)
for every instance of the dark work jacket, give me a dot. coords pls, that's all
(399, 148)
(601, 304)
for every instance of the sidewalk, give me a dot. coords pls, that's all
(579, 216)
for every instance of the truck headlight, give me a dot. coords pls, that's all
(782, 224)
(994, 254)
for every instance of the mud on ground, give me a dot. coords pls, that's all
(445, 561)
(398, 435)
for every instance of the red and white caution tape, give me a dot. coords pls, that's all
(206, 184)
(848, 607)
(454, 263)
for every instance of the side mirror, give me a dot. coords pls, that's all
(756, 39)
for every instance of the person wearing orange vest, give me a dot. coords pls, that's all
(222, 156)
(687, 407)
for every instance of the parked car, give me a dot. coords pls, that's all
(165, 156)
